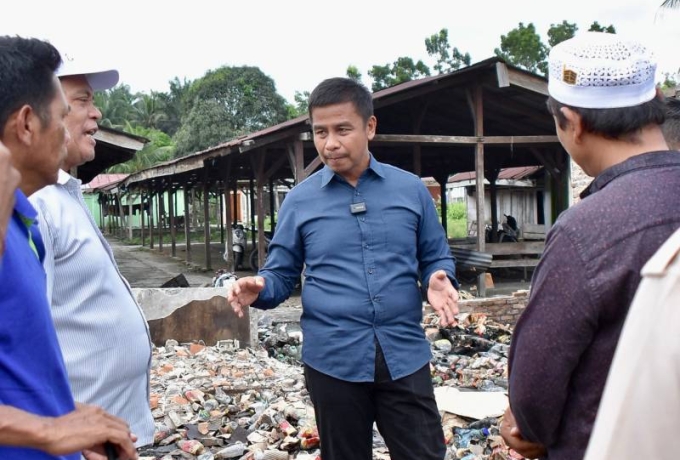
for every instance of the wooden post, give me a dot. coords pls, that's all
(187, 226)
(141, 216)
(272, 211)
(173, 230)
(206, 218)
(151, 210)
(228, 253)
(477, 106)
(161, 218)
(441, 180)
(492, 178)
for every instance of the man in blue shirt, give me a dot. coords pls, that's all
(38, 418)
(366, 234)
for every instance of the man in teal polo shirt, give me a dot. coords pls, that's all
(38, 417)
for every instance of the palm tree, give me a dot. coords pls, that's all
(160, 148)
(670, 4)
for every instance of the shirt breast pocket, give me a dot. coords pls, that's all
(401, 231)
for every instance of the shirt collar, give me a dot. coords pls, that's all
(64, 177)
(642, 161)
(373, 165)
(23, 207)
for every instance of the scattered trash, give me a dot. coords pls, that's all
(178, 281)
(222, 402)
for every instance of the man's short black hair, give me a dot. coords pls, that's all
(671, 127)
(27, 67)
(340, 90)
(619, 123)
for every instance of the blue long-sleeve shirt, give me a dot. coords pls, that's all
(361, 269)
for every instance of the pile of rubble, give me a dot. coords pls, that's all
(222, 402)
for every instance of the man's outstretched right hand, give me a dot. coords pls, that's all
(243, 292)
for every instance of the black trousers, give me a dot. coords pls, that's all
(404, 410)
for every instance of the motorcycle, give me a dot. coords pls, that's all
(508, 232)
(238, 246)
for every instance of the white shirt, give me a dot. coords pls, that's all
(639, 413)
(102, 331)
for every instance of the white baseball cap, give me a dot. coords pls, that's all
(597, 70)
(99, 78)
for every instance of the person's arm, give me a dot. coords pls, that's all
(85, 429)
(285, 258)
(9, 183)
(550, 337)
(433, 248)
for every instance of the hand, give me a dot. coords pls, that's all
(513, 438)
(243, 292)
(87, 429)
(443, 297)
(8, 185)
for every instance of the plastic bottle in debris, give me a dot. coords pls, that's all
(272, 455)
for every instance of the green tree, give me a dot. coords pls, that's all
(116, 105)
(174, 104)
(159, 148)
(596, 27)
(402, 70)
(523, 47)
(448, 59)
(560, 32)
(147, 110)
(353, 73)
(228, 102)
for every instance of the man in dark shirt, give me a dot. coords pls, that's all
(607, 114)
(366, 233)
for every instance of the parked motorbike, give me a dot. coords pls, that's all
(238, 246)
(508, 233)
(223, 278)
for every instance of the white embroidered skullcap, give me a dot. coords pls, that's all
(597, 70)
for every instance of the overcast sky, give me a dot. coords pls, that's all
(299, 43)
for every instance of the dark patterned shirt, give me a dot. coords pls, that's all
(564, 342)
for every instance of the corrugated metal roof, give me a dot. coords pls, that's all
(517, 173)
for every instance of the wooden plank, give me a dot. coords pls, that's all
(528, 81)
(505, 249)
(507, 263)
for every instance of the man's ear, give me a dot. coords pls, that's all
(371, 126)
(574, 124)
(26, 124)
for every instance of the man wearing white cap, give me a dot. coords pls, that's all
(102, 331)
(607, 115)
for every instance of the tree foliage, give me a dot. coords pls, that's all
(561, 32)
(353, 73)
(596, 27)
(159, 148)
(523, 47)
(448, 58)
(402, 70)
(228, 102)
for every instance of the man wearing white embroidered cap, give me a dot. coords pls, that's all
(102, 331)
(607, 114)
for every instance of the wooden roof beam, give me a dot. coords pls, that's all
(507, 77)
(462, 140)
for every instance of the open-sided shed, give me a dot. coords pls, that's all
(482, 118)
